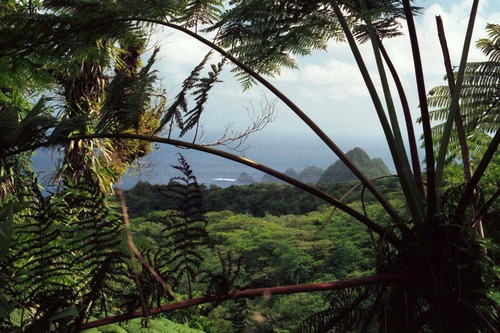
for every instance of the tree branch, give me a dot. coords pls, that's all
(251, 293)
(387, 235)
(301, 114)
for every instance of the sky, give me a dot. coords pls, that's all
(327, 85)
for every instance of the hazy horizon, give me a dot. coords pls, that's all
(278, 152)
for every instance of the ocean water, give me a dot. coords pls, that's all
(278, 152)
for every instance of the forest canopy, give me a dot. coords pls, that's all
(416, 252)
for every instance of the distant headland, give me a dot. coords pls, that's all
(337, 172)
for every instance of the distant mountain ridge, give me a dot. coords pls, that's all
(338, 172)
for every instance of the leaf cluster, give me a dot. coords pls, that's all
(63, 262)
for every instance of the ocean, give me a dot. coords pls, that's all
(278, 152)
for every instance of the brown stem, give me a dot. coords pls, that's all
(301, 114)
(137, 253)
(251, 293)
(451, 84)
(130, 242)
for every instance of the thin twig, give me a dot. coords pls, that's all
(135, 250)
(130, 243)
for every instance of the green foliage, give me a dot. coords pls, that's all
(265, 34)
(200, 13)
(291, 249)
(65, 261)
(157, 325)
(124, 105)
(344, 313)
(62, 257)
(185, 227)
(259, 252)
(257, 199)
(179, 113)
(479, 103)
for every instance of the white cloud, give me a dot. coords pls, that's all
(328, 85)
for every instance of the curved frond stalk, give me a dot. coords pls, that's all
(454, 106)
(308, 121)
(389, 236)
(432, 198)
(388, 132)
(413, 196)
(311, 124)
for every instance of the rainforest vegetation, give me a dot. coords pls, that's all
(416, 252)
(254, 199)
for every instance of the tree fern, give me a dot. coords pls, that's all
(223, 282)
(185, 232)
(38, 261)
(343, 315)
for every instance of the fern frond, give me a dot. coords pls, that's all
(127, 99)
(92, 237)
(197, 13)
(272, 32)
(491, 45)
(185, 228)
(180, 103)
(39, 260)
(344, 314)
(201, 97)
